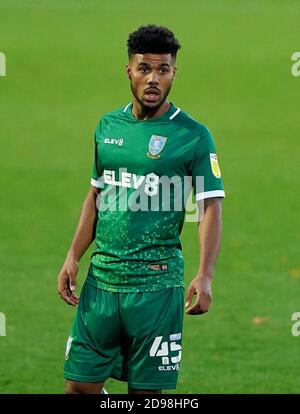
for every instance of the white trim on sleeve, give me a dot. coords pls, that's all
(209, 194)
(97, 183)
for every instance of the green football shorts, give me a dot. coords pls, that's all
(133, 337)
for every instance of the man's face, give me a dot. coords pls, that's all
(151, 76)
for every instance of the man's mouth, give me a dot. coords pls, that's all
(152, 94)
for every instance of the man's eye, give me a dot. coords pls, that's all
(143, 70)
(164, 70)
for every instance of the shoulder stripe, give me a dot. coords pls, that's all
(126, 107)
(175, 114)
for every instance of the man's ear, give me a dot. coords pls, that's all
(174, 72)
(128, 71)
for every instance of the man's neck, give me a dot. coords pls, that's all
(143, 113)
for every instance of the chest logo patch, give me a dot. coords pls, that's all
(115, 141)
(214, 165)
(156, 145)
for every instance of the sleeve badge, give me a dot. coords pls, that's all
(214, 165)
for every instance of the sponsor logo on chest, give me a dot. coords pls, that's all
(114, 141)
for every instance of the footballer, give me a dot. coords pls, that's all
(148, 156)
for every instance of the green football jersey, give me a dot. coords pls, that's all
(146, 170)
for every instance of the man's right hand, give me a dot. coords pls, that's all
(67, 281)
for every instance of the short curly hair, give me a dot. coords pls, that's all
(152, 39)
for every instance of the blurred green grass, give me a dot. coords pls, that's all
(65, 68)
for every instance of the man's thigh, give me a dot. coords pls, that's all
(94, 342)
(152, 324)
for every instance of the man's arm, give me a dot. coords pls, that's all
(209, 232)
(82, 239)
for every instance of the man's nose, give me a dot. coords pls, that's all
(152, 79)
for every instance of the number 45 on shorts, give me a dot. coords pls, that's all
(169, 351)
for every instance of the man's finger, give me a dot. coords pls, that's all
(68, 297)
(201, 304)
(189, 297)
(72, 297)
(70, 301)
(75, 297)
(196, 310)
(72, 281)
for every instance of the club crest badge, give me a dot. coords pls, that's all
(214, 165)
(156, 146)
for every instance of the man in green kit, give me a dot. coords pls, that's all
(128, 324)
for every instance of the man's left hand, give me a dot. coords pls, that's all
(200, 286)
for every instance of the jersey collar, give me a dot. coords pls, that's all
(169, 115)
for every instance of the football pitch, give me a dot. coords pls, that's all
(64, 69)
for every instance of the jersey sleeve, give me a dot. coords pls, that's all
(97, 171)
(206, 173)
